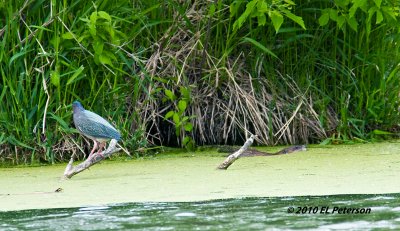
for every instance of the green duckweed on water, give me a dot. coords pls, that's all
(321, 170)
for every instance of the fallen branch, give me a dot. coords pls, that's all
(233, 157)
(71, 170)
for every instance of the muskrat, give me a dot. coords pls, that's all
(253, 152)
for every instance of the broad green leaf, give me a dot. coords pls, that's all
(185, 140)
(353, 10)
(185, 93)
(364, 7)
(371, 12)
(169, 114)
(295, 18)
(249, 9)
(188, 127)
(114, 38)
(262, 7)
(55, 78)
(104, 59)
(356, 4)
(379, 17)
(93, 18)
(391, 11)
(96, 59)
(105, 15)
(109, 54)
(324, 19)
(68, 35)
(98, 46)
(378, 3)
(75, 75)
(333, 14)
(92, 24)
(277, 20)
(176, 119)
(262, 20)
(341, 20)
(352, 23)
(342, 3)
(182, 105)
(260, 46)
(169, 94)
(92, 29)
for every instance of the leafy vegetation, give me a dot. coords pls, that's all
(188, 73)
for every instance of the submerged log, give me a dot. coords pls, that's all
(234, 156)
(71, 170)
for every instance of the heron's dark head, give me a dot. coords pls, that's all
(77, 106)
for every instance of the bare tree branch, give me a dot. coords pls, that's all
(71, 170)
(231, 158)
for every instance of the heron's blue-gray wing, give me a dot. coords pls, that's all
(95, 126)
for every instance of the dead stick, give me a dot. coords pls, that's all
(231, 158)
(70, 170)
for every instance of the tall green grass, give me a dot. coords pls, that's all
(63, 47)
(348, 58)
(189, 73)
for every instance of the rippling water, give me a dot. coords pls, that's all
(230, 214)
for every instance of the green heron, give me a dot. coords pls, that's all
(93, 126)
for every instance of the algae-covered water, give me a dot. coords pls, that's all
(255, 192)
(321, 170)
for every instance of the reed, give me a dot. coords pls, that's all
(186, 73)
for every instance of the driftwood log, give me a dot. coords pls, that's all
(71, 170)
(234, 156)
(245, 151)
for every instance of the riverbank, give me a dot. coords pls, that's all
(321, 170)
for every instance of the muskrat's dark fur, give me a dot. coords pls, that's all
(253, 152)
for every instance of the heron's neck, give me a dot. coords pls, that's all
(78, 109)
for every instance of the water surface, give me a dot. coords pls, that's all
(229, 214)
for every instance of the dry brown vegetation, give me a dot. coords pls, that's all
(187, 73)
(225, 104)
